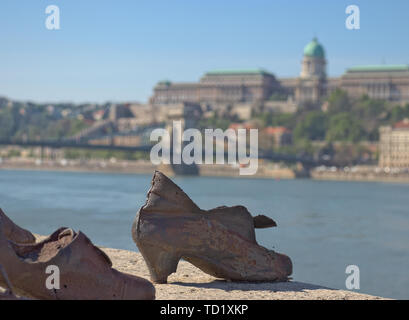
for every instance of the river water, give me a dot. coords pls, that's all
(323, 226)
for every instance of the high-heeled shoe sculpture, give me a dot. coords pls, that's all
(84, 271)
(220, 242)
(13, 232)
(8, 294)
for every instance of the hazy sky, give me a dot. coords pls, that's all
(117, 50)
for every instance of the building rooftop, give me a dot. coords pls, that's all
(238, 72)
(404, 124)
(379, 68)
(165, 82)
(314, 49)
(276, 130)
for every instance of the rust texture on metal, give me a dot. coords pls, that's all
(220, 241)
(13, 232)
(85, 271)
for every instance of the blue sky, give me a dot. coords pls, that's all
(117, 50)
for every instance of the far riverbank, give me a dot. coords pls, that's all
(266, 170)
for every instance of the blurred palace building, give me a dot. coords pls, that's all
(249, 87)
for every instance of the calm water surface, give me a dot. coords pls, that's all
(322, 226)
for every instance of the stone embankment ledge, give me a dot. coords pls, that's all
(190, 283)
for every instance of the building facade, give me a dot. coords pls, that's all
(385, 82)
(394, 145)
(219, 87)
(311, 85)
(281, 136)
(229, 87)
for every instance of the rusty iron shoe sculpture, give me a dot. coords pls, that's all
(8, 294)
(220, 242)
(13, 232)
(85, 271)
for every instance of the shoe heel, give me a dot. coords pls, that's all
(160, 263)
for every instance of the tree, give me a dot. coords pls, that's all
(370, 112)
(312, 127)
(287, 120)
(398, 113)
(6, 124)
(338, 102)
(344, 127)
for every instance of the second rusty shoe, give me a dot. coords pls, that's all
(84, 271)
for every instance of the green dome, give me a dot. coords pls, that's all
(314, 49)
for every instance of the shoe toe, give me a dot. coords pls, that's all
(284, 264)
(137, 288)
